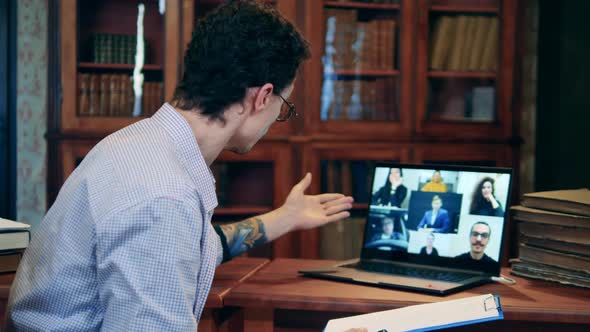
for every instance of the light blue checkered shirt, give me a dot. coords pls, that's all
(128, 244)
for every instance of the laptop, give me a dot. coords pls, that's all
(436, 229)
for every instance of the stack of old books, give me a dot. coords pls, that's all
(14, 239)
(554, 236)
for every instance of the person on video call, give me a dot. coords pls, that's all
(435, 184)
(388, 233)
(479, 237)
(429, 249)
(128, 244)
(436, 220)
(393, 191)
(483, 201)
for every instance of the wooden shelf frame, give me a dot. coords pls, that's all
(70, 121)
(361, 5)
(117, 66)
(314, 30)
(501, 128)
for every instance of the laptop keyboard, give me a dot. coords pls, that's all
(413, 272)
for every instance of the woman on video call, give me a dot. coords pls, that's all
(483, 201)
(393, 191)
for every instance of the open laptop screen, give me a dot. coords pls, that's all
(451, 216)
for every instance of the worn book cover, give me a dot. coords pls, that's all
(576, 201)
(524, 213)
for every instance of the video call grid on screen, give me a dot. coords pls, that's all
(433, 212)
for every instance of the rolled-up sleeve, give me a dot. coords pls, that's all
(148, 266)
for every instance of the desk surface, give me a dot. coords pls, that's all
(279, 286)
(229, 275)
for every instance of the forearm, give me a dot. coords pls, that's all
(252, 232)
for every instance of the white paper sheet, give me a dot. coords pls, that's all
(423, 317)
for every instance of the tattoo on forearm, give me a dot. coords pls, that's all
(244, 235)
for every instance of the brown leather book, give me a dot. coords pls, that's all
(575, 201)
(555, 258)
(332, 240)
(546, 272)
(557, 233)
(482, 25)
(468, 48)
(560, 246)
(434, 43)
(123, 86)
(458, 43)
(391, 40)
(114, 93)
(83, 94)
(442, 45)
(381, 46)
(490, 56)
(346, 178)
(524, 213)
(105, 98)
(94, 95)
(130, 98)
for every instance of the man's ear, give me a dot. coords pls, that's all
(262, 97)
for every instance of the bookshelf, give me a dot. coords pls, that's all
(465, 69)
(397, 112)
(97, 55)
(358, 80)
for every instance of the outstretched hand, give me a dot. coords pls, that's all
(310, 211)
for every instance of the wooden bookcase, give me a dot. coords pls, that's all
(381, 101)
(374, 78)
(82, 23)
(465, 94)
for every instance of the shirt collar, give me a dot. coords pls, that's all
(188, 151)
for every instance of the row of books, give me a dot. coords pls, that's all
(113, 95)
(354, 44)
(554, 236)
(369, 100)
(14, 239)
(114, 48)
(464, 43)
(343, 239)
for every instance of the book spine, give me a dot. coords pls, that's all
(105, 94)
(83, 94)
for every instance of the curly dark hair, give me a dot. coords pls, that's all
(239, 45)
(477, 199)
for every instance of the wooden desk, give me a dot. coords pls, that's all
(227, 276)
(276, 297)
(5, 282)
(215, 317)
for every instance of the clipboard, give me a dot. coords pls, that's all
(425, 317)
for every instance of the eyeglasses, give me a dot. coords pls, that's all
(287, 111)
(483, 235)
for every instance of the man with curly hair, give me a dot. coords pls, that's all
(128, 245)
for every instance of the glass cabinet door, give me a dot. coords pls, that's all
(460, 69)
(364, 67)
(118, 61)
(120, 65)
